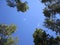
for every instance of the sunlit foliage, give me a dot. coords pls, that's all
(5, 34)
(52, 8)
(41, 38)
(53, 25)
(21, 6)
(50, 11)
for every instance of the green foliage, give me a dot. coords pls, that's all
(11, 41)
(41, 38)
(10, 3)
(47, 13)
(7, 30)
(51, 22)
(53, 25)
(21, 6)
(5, 34)
(52, 7)
(50, 11)
(38, 31)
(43, 1)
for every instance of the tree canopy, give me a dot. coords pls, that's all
(41, 38)
(50, 11)
(52, 8)
(21, 6)
(5, 34)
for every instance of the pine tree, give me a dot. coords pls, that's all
(21, 6)
(5, 34)
(41, 38)
(51, 22)
(50, 11)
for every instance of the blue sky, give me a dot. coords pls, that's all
(25, 22)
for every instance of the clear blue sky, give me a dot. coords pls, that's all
(25, 22)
